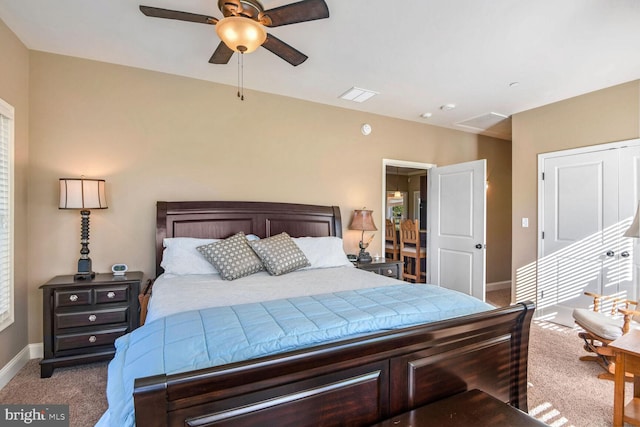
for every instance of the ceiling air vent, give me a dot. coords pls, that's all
(490, 123)
(357, 94)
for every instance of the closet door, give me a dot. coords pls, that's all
(587, 205)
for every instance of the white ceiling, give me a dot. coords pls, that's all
(418, 54)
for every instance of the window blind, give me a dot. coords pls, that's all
(6, 217)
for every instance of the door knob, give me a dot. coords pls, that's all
(479, 246)
(625, 254)
(610, 253)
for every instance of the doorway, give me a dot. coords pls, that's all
(404, 194)
(455, 225)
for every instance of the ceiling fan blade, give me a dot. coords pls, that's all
(302, 11)
(156, 12)
(222, 55)
(284, 51)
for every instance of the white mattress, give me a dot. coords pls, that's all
(174, 294)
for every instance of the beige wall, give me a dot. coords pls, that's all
(498, 209)
(14, 89)
(599, 117)
(155, 136)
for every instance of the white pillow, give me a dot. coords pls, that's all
(323, 252)
(180, 256)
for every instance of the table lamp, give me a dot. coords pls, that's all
(362, 220)
(83, 194)
(634, 228)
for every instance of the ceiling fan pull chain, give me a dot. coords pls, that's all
(241, 76)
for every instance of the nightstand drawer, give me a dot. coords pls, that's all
(389, 270)
(115, 294)
(384, 268)
(90, 318)
(89, 339)
(72, 298)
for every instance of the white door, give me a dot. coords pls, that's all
(456, 233)
(580, 203)
(588, 202)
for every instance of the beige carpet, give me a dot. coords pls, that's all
(563, 391)
(82, 387)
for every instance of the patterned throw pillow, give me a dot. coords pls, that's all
(280, 254)
(232, 257)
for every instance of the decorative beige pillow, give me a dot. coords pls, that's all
(232, 257)
(279, 254)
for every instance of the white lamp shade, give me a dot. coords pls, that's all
(78, 193)
(241, 34)
(634, 229)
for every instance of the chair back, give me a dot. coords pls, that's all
(409, 233)
(410, 251)
(390, 232)
(391, 246)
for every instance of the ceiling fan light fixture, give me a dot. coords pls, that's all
(241, 34)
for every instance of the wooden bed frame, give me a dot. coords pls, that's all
(356, 382)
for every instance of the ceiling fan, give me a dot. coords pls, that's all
(250, 15)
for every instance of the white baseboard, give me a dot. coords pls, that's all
(31, 351)
(36, 351)
(11, 369)
(497, 286)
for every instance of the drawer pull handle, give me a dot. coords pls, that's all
(92, 318)
(389, 271)
(92, 338)
(111, 295)
(73, 297)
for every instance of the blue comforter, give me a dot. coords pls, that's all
(219, 335)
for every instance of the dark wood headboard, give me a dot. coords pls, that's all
(219, 220)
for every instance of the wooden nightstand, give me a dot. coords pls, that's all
(383, 267)
(82, 319)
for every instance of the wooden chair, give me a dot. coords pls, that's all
(410, 251)
(601, 329)
(391, 246)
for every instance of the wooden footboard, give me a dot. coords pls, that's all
(356, 382)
